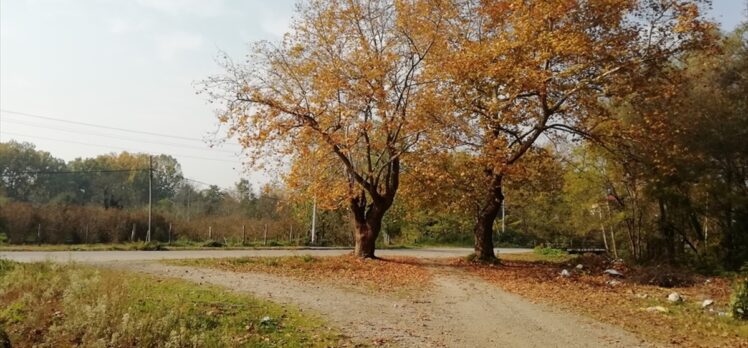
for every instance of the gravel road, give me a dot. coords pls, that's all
(456, 310)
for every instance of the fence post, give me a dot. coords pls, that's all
(210, 232)
(244, 235)
(265, 235)
(290, 234)
(39, 234)
(132, 234)
(169, 233)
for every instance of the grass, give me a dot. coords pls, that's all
(536, 256)
(587, 291)
(399, 275)
(51, 305)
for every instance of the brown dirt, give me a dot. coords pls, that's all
(457, 310)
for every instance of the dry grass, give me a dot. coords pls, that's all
(394, 275)
(589, 292)
(49, 305)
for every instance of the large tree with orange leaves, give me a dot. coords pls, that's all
(519, 71)
(344, 87)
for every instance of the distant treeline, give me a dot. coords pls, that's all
(104, 199)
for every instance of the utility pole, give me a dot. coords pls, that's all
(150, 197)
(503, 215)
(314, 221)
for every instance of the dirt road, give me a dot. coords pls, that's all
(108, 256)
(459, 310)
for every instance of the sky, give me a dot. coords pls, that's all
(132, 65)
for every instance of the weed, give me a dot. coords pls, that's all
(45, 304)
(739, 300)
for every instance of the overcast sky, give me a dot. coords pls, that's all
(131, 65)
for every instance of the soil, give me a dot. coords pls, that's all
(457, 310)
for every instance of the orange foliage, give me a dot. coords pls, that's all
(385, 275)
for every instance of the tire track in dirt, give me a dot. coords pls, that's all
(458, 310)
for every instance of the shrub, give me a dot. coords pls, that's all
(739, 302)
(6, 266)
(149, 246)
(4, 340)
(545, 251)
(213, 244)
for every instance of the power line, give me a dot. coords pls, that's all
(117, 137)
(196, 181)
(59, 172)
(112, 147)
(98, 125)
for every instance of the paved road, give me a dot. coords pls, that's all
(111, 256)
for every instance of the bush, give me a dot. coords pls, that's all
(6, 266)
(549, 251)
(4, 340)
(149, 246)
(213, 244)
(739, 302)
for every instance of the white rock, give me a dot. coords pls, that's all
(579, 266)
(565, 273)
(613, 282)
(707, 303)
(642, 296)
(674, 297)
(660, 309)
(613, 272)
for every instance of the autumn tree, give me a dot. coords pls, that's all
(344, 85)
(520, 72)
(683, 143)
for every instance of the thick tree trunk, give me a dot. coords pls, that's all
(369, 206)
(483, 229)
(367, 222)
(366, 238)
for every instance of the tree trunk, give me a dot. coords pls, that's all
(367, 222)
(483, 229)
(365, 241)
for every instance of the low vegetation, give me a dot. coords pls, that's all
(396, 274)
(739, 301)
(631, 301)
(50, 305)
(143, 246)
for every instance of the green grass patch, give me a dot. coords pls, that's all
(45, 304)
(538, 257)
(545, 251)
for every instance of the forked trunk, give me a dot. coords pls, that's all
(367, 223)
(483, 229)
